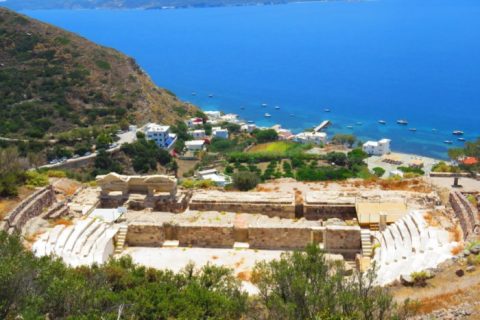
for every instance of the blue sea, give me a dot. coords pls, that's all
(417, 60)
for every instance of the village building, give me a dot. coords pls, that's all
(218, 132)
(213, 175)
(194, 122)
(160, 135)
(377, 148)
(195, 145)
(197, 134)
(311, 137)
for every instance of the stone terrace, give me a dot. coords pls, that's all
(267, 203)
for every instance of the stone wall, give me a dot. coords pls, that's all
(145, 235)
(328, 211)
(466, 214)
(206, 236)
(279, 238)
(343, 240)
(270, 204)
(33, 206)
(335, 239)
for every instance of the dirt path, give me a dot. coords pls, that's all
(444, 291)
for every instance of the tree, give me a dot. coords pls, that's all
(245, 180)
(338, 158)
(379, 171)
(344, 139)
(266, 135)
(105, 164)
(305, 285)
(103, 141)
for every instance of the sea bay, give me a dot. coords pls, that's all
(365, 61)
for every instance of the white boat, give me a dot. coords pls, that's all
(458, 133)
(402, 122)
(359, 123)
(268, 115)
(210, 95)
(447, 142)
(277, 107)
(350, 127)
(250, 121)
(326, 110)
(194, 93)
(461, 139)
(382, 122)
(413, 129)
(264, 104)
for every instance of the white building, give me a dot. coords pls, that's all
(197, 134)
(195, 145)
(193, 122)
(213, 115)
(218, 132)
(219, 179)
(230, 117)
(160, 134)
(248, 127)
(377, 148)
(311, 137)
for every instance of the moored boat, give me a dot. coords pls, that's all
(458, 133)
(461, 139)
(402, 122)
(382, 121)
(447, 142)
(268, 115)
(413, 129)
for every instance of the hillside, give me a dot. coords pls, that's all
(52, 81)
(130, 4)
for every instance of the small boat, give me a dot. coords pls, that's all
(250, 121)
(447, 142)
(382, 121)
(268, 115)
(326, 110)
(292, 115)
(359, 123)
(434, 130)
(402, 122)
(458, 133)
(350, 127)
(277, 107)
(210, 95)
(413, 129)
(194, 93)
(264, 105)
(242, 108)
(461, 139)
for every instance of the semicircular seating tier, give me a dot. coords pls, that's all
(410, 245)
(85, 242)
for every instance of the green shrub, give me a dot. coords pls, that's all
(378, 171)
(246, 180)
(36, 179)
(104, 65)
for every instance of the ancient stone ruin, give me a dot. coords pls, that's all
(158, 192)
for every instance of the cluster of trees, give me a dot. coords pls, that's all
(471, 149)
(266, 135)
(12, 171)
(146, 155)
(301, 285)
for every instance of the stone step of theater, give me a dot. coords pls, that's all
(366, 239)
(85, 242)
(410, 245)
(120, 239)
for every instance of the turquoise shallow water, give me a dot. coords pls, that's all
(386, 59)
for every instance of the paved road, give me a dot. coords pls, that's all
(126, 137)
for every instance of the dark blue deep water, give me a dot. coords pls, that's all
(386, 59)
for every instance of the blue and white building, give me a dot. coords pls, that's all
(161, 135)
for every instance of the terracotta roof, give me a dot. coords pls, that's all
(470, 160)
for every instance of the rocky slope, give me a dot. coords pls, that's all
(52, 81)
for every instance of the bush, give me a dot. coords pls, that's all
(246, 180)
(36, 179)
(305, 285)
(378, 171)
(266, 135)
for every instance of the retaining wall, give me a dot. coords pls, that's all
(335, 239)
(32, 206)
